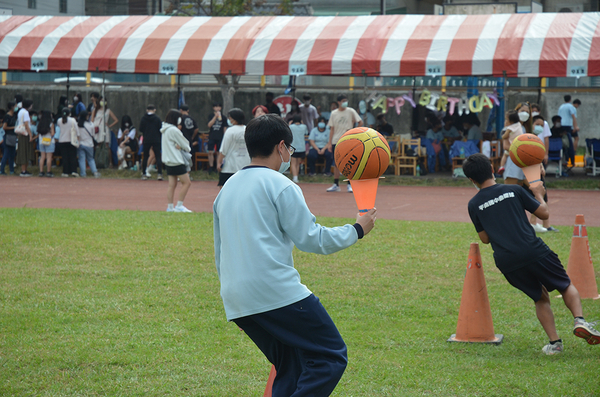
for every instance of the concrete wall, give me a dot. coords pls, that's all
(133, 100)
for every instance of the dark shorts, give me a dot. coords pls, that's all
(223, 177)
(574, 134)
(176, 170)
(547, 271)
(212, 143)
(299, 155)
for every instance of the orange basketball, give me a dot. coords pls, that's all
(526, 150)
(362, 153)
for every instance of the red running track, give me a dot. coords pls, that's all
(419, 203)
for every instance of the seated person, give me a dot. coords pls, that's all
(449, 130)
(435, 136)
(471, 125)
(127, 141)
(556, 130)
(383, 126)
(318, 140)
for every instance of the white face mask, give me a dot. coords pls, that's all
(523, 116)
(538, 129)
(533, 114)
(179, 121)
(284, 165)
(344, 104)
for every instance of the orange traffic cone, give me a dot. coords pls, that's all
(269, 387)
(475, 317)
(580, 268)
(533, 174)
(365, 192)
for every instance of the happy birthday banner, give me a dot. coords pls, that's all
(464, 104)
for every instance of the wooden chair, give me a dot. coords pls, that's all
(404, 162)
(201, 157)
(394, 142)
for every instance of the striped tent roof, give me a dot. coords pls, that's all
(523, 45)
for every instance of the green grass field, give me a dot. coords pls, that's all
(123, 303)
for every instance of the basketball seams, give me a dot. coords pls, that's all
(361, 158)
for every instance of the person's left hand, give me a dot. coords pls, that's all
(177, 147)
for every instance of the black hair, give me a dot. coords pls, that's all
(576, 102)
(297, 118)
(99, 105)
(556, 118)
(173, 116)
(513, 116)
(95, 95)
(478, 167)
(10, 105)
(66, 112)
(27, 103)
(567, 98)
(238, 115)
(265, 132)
(321, 118)
(18, 98)
(296, 102)
(380, 116)
(269, 94)
(62, 100)
(184, 107)
(45, 122)
(79, 96)
(217, 104)
(473, 119)
(341, 97)
(33, 112)
(538, 117)
(126, 119)
(82, 118)
(535, 105)
(436, 122)
(306, 97)
(150, 107)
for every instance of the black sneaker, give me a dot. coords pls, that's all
(50, 175)
(41, 175)
(25, 174)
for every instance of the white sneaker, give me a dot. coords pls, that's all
(349, 188)
(539, 228)
(551, 350)
(181, 209)
(96, 174)
(334, 188)
(170, 209)
(151, 168)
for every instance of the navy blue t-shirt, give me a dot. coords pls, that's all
(500, 211)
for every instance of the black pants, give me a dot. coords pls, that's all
(156, 148)
(68, 153)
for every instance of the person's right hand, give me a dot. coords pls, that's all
(538, 191)
(367, 221)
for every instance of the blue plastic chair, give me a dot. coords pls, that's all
(593, 146)
(555, 153)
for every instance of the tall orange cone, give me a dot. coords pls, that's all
(580, 268)
(365, 192)
(475, 317)
(269, 388)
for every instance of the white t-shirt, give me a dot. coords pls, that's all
(23, 116)
(342, 121)
(234, 149)
(131, 133)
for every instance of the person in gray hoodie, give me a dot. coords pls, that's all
(175, 153)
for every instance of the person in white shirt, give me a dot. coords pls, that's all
(23, 153)
(85, 133)
(259, 216)
(233, 148)
(175, 149)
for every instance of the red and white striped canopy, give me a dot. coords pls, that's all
(522, 45)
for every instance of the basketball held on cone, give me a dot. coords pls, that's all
(527, 150)
(362, 153)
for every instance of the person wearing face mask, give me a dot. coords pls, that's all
(260, 287)
(309, 113)
(150, 126)
(173, 144)
(342, 119)
(512, 129)
(270, 105)
(78, 105)
(24, 152)
(528, 264)
(233, 148)
(318, 139)
(127, 139)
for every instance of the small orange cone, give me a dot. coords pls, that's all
(269, 387)
(580, 268)
(533, 174)
(475, 317)
(365, 192)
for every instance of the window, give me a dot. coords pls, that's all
(32, 4)
(62, 6)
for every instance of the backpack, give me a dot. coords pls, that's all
(102, 156)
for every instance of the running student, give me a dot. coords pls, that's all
(497, 211)
(259, 216)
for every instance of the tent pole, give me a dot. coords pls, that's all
(103, 84)
(68, 85)
(178, 90)
(501, 105)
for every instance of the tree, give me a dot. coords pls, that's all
(221, 8)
